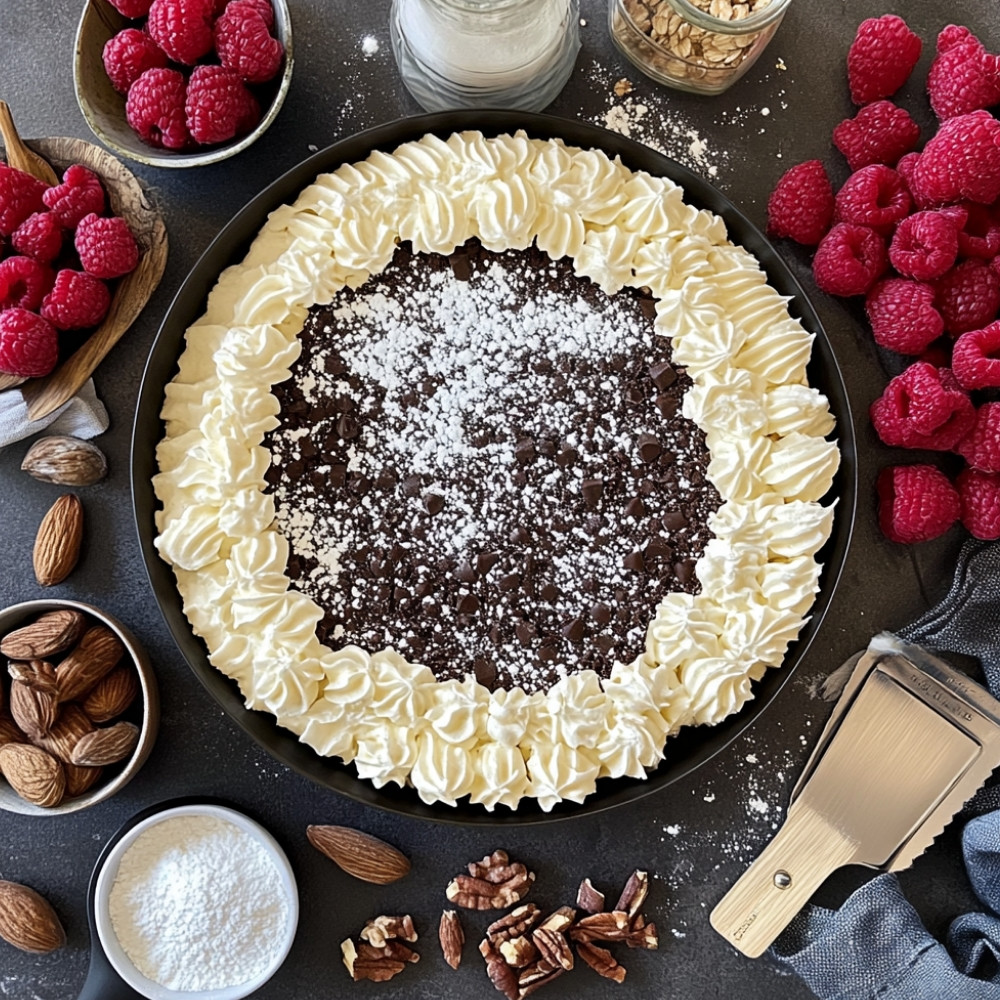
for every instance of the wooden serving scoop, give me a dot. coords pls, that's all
(44, 395)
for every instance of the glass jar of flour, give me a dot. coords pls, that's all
(485, 53)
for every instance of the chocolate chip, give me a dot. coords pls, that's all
(485, 561)
(546, 447)
(460, 265)
(347, 427)
(509, 582)
(684, 570)
(485, 671)
(550, 592)
(633, 561)
(649, 448)
(386, 480)
(433, 503)
(338, 475)
(424, 589)
(520, 535)
(573, 630)
(667, 405)
(400, 594)
(547, 653)
(359, 483)
(635, 394)
(659, 549)
(466, 573)
(601, 614)
(467, 604)
(605, 643)
(334, 364)
(412, 486)
(663, 375)
(647, 487)
(525, 633)
(432, 609)
(635, 508)
(524, 451)
(416, 646)
(591, 490)
(345, 404)
(674, 520)
(567, 456)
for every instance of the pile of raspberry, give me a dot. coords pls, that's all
(188, 70)
(917, 233)
(58, 251)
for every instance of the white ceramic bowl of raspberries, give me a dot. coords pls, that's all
(915, 236)
(182, 83)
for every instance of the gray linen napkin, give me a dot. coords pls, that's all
(875, 947)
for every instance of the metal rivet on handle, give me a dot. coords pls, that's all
(782, 880)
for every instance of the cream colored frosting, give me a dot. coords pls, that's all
(765, 428)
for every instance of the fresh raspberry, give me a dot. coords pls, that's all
(128, 55)
(967, 296)
(29, 346)
(801, 204)
(20, 196)
(23, 282)
(916, 503)
(980, 495)
(39, 236)
(924, 246)
(981, 446)
(878, 133)
(155, 108)
(132, 8)
(263, 7)
(905, 168)
(924, 407)
(244, 43)
(873, 196)
(963, 76)
(903, 316)
(77, 300)
(881, 57)
(79, 194)
(106, 246)
(182, 28)
(975, 358)
(218, 105)
(962, 161)
(849, 260)
(980, 236)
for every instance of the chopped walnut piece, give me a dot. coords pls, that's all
(518, 952)
(613, 926)
(589, 899)
(492, 884)
(553, 947)
(502, 976)
(519, 921)
(623, 87)
(634, 894)
(601, 961)
(384, 928)
(452, 938)
(378, 970)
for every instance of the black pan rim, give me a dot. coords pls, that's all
(693, 746)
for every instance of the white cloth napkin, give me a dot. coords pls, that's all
(84, 416)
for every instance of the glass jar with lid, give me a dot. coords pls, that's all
(702, 46)
(485, 53)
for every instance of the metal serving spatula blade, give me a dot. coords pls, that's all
(908, 743)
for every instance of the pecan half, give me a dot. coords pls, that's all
(553, 947)
(634, 894)
(520, 920)
(560, 920)
(601, 961)
(589, 899)
(492, 884)
(613, 926)
(452, 937)
(502, 976)
(376, 932)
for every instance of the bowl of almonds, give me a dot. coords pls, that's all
(79, 707)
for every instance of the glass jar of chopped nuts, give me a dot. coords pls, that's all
(703, 46)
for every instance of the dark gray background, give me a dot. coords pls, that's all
(699, 834)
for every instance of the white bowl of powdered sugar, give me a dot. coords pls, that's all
(196, 900)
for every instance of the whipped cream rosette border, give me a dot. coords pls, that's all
(765, 427)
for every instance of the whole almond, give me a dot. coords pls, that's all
(34, 774)
(359, 854)
(105, 746)
(80, 779)
(54, 632)
(33, 709)
(68, 461)
(27, 920)
(112, 694)
(93, 657)
(57, 544)
(71, 726)
(39, 674)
